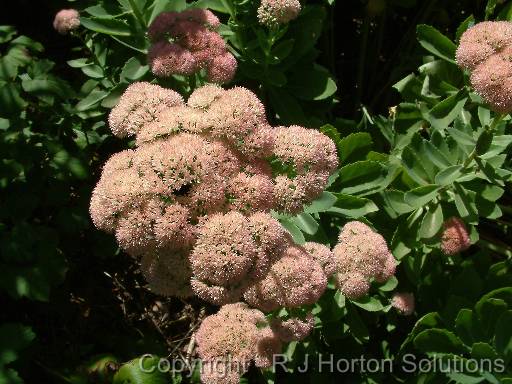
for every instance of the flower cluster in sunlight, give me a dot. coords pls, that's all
(275, 12)
(455, 236)
(186, 42)
(486, 51)
(361, 255)
(66, 20)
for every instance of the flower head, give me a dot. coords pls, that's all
(404, 303)
(274, 12)
(323, 255)
(293, 329)
(481, 41)
(140, 104)
(295, 279)
(66, 20)
(167, 59)
(361, 254)
(222, 68)
(235, 335)
(455, 237)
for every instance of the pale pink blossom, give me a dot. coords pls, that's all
(140, 104)
(361, 255)
(274, 12)
(481, 41)
(404, 303)
(238, 336)
(269, 234)
(167, 59)
(323, 255)
(455, 236)
(249, 193)
(295, 279)
(66, 20)
(293, 329)
(222, 68)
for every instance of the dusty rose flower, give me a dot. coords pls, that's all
(172, 227)
(323, 255)
(455, 237)
(481, 41)
(221, 69)
(160, 26)
(140, 104)
(274, 12)
(185, 42)
(225, 253)
(404, 303)
(295, 279)
(306, 149)
(66, 20)
(361, 254)
(204, 96)
(492, 79)
(258, 144)
(293, 329)
(166, 59)
(167, 272)
(353, 285)
(235, 335)
(251, 193)
(269, 234)
(486, 51)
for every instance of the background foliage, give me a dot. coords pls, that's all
(416, 146)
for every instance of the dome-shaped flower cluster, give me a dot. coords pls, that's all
(185, 42)
(293, 329)
(229, 341)
(455, 237)
(486, 51)
(361, 255)
(274, 12)
(403, 302)
(192, 200)
(66, 20)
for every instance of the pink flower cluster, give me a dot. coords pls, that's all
(486, 50)
(192, 200)
(274, 12)
(237, 336)
(185, 42)
(361, 255)
(403, 302)
(455, 237)
(229, 341)
(66, 20)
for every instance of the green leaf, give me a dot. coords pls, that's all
(286, 106)
(131, 372)
(295, 232)
(465, 25)
(389, 285)
(468, 327)
(107, 26)
(482, 351)
(133, 70)
(354, 146)
(432, 222)
(306, 223)
(362, 177)
(92, 99)
(448, 175)
(503, 335)
(312, 83)
(396, 201)
(322, 204)
(369, 303)
(436, 43)
(437, 340)
(352, 206)
(14, 337)
(356, 324)
(484, 142)
(420, 196)
(445, 112)
(94, 71)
